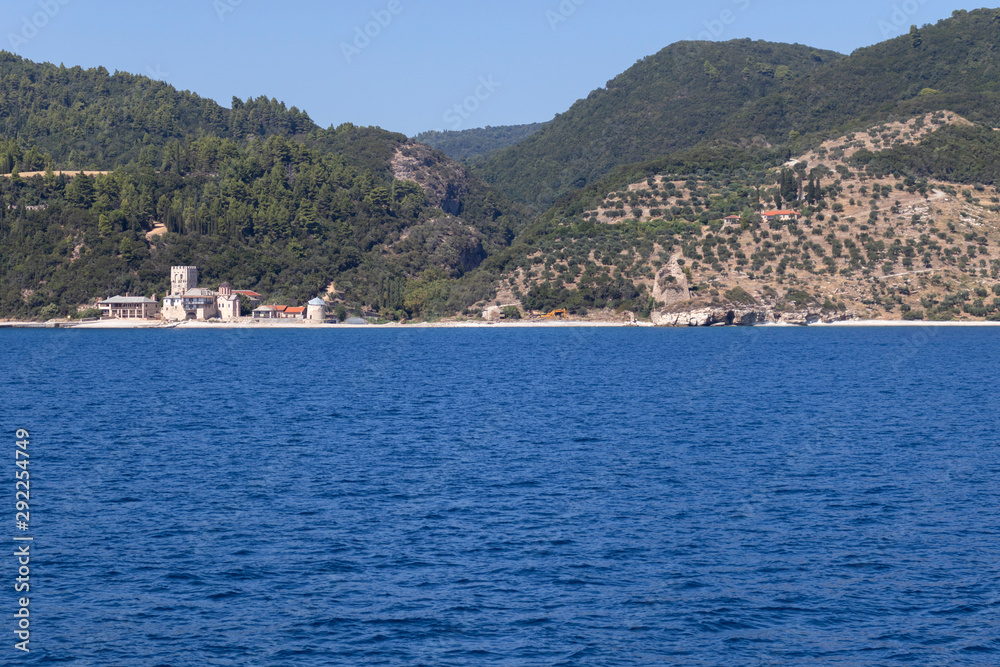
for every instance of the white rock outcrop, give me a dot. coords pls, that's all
(708, 317)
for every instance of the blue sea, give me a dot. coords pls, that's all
(439, 497)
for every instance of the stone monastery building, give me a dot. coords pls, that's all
(187, 301)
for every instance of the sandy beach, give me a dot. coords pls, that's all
(514, 324)
(903, 323)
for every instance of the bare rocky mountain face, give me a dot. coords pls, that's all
(448, 240)
(444, 181)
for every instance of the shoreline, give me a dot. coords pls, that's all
(903, 323)
(139, 324)
(515, 324)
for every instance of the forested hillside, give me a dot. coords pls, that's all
(257, 195)
(274, 216)
(744, 92)
(88, 118)
(667, 102)
(952, 65)
(477, 143)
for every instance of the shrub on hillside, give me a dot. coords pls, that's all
(740, 296)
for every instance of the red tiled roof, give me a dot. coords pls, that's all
(280, 309)
(780, 213)
(246, 292)
(295, 311)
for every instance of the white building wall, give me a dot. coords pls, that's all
(173, 309)
(183, 278)
(229, 308)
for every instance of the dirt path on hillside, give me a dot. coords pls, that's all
(159, 229)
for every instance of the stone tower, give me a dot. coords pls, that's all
(182, 279)
(316, 310)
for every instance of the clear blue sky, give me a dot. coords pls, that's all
(526, 59)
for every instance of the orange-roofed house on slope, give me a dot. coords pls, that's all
(782, 216)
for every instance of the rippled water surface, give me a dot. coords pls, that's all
(508, 497)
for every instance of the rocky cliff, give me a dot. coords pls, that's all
(708, 317)
(445, 182)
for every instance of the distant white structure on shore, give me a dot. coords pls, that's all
(228, 303)
(129, 307)
(187, 301)
(265, 313)
(316, 310)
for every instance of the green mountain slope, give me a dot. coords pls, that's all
(899, 221)
(673, 100)
(744, 92)
(257, 195)
(477, 143)
(93, 119)
(953, 65)
(645, 169)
